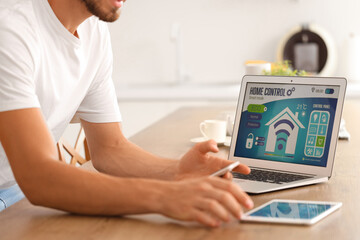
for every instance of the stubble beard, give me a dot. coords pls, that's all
(95, 8)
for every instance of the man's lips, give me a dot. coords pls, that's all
(118, 3)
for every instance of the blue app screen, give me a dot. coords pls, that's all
(287, 123)
(291, 210)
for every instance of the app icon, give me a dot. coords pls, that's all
(324, 119)
(313, 129)
(322, 130)
(320, 141)
(315, 117)
(249, 141)
(318, 152)
(309, 151)
(310, 141)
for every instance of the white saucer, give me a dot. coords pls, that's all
(204, 139)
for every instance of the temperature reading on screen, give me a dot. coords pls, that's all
(301, 106)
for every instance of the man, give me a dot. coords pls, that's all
(56, 64)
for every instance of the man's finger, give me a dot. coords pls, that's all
(215, 208)
(228, 202)
(240, 195)
(208, 146)
(205, 218)
(228, 176)
(243, 169)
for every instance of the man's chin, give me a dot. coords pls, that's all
(112, 17)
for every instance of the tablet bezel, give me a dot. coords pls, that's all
(247, 218)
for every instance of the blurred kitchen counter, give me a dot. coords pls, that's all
(138, 115)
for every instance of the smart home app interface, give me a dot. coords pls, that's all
(287, 123)
(291, 210)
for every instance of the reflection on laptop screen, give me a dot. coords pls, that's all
(287, 123)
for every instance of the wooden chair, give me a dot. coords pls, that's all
(74, 152)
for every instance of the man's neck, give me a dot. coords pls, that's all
(71, 13)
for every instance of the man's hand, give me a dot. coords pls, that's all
(207, 200)
(198, 162)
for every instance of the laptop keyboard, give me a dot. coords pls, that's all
(270, 176)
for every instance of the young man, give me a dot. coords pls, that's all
(56, 64)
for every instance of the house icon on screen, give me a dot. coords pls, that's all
(283, 132)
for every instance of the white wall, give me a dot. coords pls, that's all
(218, 35)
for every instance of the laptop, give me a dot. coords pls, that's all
(286, 131)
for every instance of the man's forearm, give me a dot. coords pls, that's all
(206, 200)
(75, 190)
(128, 160)
(113, 154)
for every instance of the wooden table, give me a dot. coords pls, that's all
(170, 137)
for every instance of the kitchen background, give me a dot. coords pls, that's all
(217, 38)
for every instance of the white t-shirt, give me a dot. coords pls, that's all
(43, 65)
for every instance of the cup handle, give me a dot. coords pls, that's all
(202, 129)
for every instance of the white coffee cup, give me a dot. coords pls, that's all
(214, 129)
(257, 68)
(230, 118)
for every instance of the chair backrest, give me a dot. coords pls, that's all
(74, 152)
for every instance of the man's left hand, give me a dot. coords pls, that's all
(198, 162)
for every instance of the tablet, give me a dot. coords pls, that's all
(291, 212)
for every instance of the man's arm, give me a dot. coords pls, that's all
(112, 153)
(47, 182)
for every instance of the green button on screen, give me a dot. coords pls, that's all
(256, 108)
(320, 141)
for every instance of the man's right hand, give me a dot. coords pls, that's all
(50, 183)
(207, 200)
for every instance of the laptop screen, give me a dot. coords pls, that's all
(289, 123)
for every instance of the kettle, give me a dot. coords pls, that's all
(309, 47)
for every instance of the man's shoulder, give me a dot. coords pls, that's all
(15, 4)
(17, 14)
(16, 8)
(18, 30)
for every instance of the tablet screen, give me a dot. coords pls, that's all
(291, 210)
